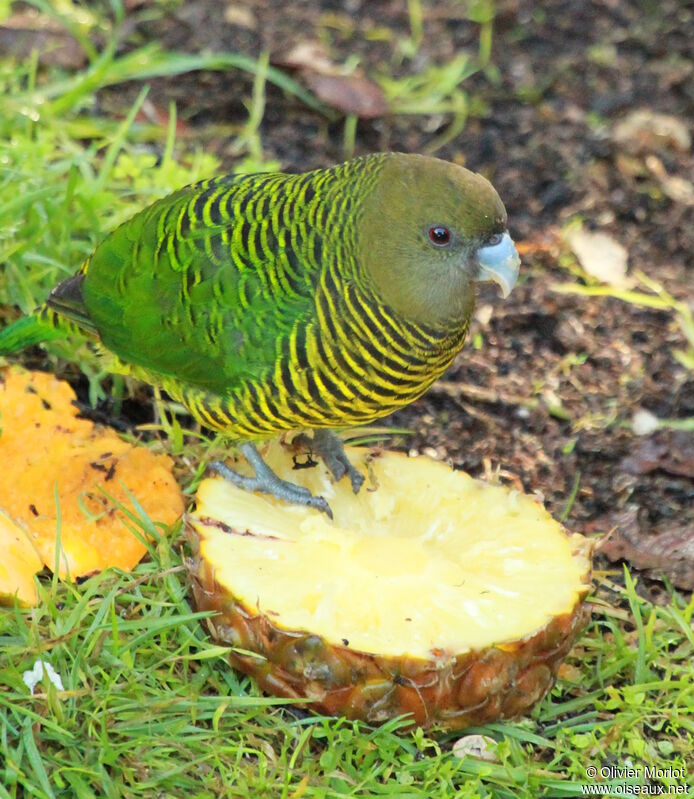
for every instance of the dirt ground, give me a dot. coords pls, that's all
(548, 393)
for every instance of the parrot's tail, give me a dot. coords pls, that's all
(42, 325)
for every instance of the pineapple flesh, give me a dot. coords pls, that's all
(430, 593)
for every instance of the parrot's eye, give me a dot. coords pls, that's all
(492, 241)
(439, 236)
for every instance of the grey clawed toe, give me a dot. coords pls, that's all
(331, 450)
(267, 482)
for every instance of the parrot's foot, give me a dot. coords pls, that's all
(331, 450)
(268, 482)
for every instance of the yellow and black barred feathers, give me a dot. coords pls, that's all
(243, 298)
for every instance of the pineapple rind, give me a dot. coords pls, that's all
(450, 691)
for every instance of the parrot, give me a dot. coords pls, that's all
(275, 302)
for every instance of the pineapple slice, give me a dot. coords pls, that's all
(430, 593)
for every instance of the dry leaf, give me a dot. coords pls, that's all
(351, 94)
(600, 255)
(242, 16)
(309, 55)
(643, 131)
(478, 746)
(675, 187)
(678, 189)
(45, 448)
(670, 551)
(670, 451)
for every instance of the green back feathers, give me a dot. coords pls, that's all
(208, 284)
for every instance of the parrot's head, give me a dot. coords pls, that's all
(428, 232)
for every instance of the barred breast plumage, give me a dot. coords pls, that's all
(244, 297)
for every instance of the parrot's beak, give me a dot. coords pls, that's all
(500, 262)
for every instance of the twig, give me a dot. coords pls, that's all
(456, 389)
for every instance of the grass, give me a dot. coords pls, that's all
(149, 706)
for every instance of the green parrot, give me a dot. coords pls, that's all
(275, 302)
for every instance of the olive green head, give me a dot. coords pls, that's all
(429, 230)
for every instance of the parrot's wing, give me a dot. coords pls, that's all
(197, 287)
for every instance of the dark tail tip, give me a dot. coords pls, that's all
(67, 299)
(67, 294)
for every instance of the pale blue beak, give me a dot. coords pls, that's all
(500, 262)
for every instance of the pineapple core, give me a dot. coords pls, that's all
(423, 559)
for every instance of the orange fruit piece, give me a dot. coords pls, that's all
(64, 478)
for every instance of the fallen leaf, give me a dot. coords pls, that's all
(670, 451)
(56, 466)
(600, 255)
(309, 55)
(678, 189)
(241, 16)
(669, 551)
(477, 746)
(675, 187)
(643, 131)
(351, 94)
